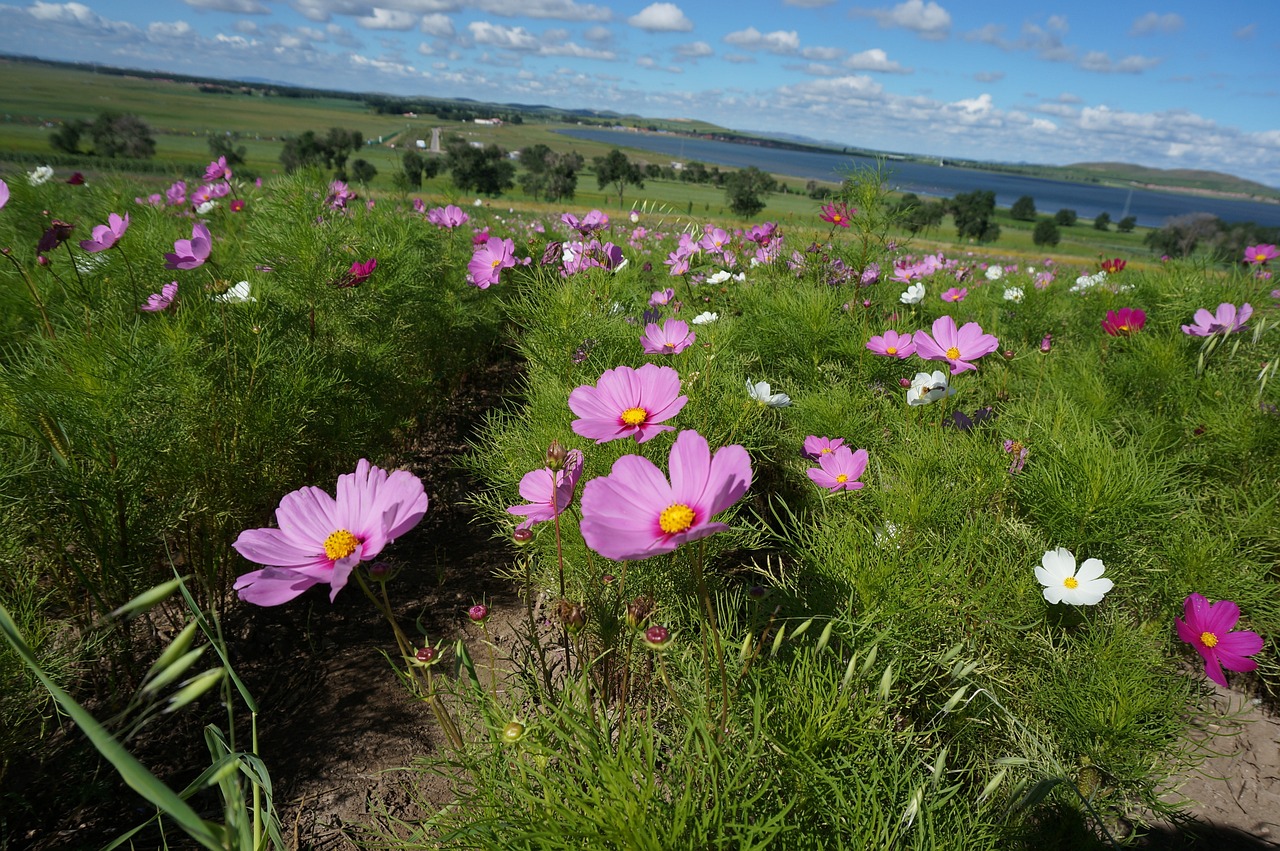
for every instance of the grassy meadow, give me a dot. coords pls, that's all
(818, 536)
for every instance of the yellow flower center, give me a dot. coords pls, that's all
(1259, 258)
(836, 218)
(675, 518)
(842, 478)
(669, 345)
(891, 350)
(1124, 328)
(953, 353)
(826, 450)
(1071, 582)
(634, 416)
(497, 261)
(1208, 639)
(340, 544)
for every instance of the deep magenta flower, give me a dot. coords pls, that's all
(1208, 629)
(105, 236)
(837, 214)
(217, 170)
(588, 224)
(190, 253)
(955, 347)
(892, 344)
(635, 513)
(840, 470)
(1125, 321)
(157, 302)
(1114, 266)
(1227, 320)
(955, 294)
(320, 539)
(489, 260)
(627, 402)
(815, 447)
(57, 233)
(358, 273)
(1256, 255)
(672, 338)
(548, 491)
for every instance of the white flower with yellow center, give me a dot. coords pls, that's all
(1064, 584)
(760, 392)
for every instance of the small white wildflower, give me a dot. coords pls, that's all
(1064, 584)
(1014, 294)
(42, 174)
(206, 207)
(913, 295)
(238, 294)
(705, 318)
(719, 277)
(928, 388)
(760, 392)
(994, 273)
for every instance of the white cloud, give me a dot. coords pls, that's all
(927, 20)
(177, 29)
(1246, 32)
(598, 35)
(988, 76)
(564, 10)
(693, 50)
(239, 7)
(1100, 62)
(874, 59)
(1156, 23)
(651, 64)
(506, 38)
(816, 69)
(822, 54)
(778, 41)
(388, 19)
(661, 17)
(440, 26)
(76, 15)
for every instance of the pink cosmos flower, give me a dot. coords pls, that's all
(836, 214)
(236, 205)
(155, 199)
(157, 302)
(548, 491)
(588, 224)
(4, 194)
(955, 294)
(816, 447)
(627, 402)
(448, 217)
(190, 253)
(1256, 255)
(1125, 321)
(105, 236)
(489, 260)
(672, 338)
(339, 195)
(176, 194)
(1019, 452)
(217, 170)
(892, 344)
(714, 240)
(320, 539)
(358, 273)
(1208, 629)
(635, 512)
(955, 347)
(1114, 266)
(840, 470)
(1227, 320)
(662, 297)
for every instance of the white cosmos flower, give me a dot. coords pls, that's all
(913, 295)
(760, 393)
(1088, 282)
(995, 273)
(705, 318)
(42, 174)
(635, 217)
(238, 294)
(719, 277)
(1014, 294)
(928, 388)
(1064, 584)
(204, 208)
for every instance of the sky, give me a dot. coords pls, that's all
(1183, 84)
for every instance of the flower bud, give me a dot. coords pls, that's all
(379, 571)
(904, 382)
(572, 615)
(556, 453)
(513, 732)
(638, 611)
(479, 613)
(1046, 344)
(866, 303)
(757, 592)
(42, 260)
(1007, 354)
(427, 656)
(521, 537)
(608, 579)
(657, 638)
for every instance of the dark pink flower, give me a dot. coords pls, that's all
(672, 338)
(236, 205)
(1226, 320)
(57, 233)
(161, 300)
(840, 470)
(635, 512)
(320, 540)
(76, 179)
(106, 236)
(217, 170)
(359, 273)
(893, 344)
(448, 217)
(1113, 266)
(588, 224)
(489, 260)
(955, 294)
(956, 347)
(1125, 321)
(627, 402)
(548, 491)
(190, 253)
(1208, 629)
(837, 214)
(1257, 255)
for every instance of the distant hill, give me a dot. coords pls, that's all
(1182, 178)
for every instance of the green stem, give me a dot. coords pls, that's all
(35, 295)
(715, 634)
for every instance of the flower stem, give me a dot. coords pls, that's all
(715, 635)
(35, 295)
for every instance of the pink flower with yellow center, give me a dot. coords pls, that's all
(1125, 321)
(672, 338)
(548, 491)
(815, 447)
(635, 512)
(627, 402)
(892, 344)
(956, 347)
(1256, 255)
(1208, 629)
(840, 470)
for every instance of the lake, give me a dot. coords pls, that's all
(1088, 200)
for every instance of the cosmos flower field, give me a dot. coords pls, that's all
(821, 540)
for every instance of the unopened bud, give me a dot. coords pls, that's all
(572, 615)
(1047, 343)
(427, 656)
(42, 260)
(1007, 354)
(379, 571)
(522, 537)
(513, 732)
(757, 592)
(904, 382)
(866, 303)
(638, 611)
(657, 638)
(479, 613)
(556, 453)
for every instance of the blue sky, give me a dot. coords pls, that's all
(1172, 85)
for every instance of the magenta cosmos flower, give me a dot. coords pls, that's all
(815, 447)
(955, 347)
(892, 344)
(488, 261)
(217, 170)
(162, 300)
(1125, 321)
(4, 194)
(105, 236)
(1227, 320)
(635, 512)
(836, 214)
(320, 539)
(627, 402)
(1208, 629)
(548, 491)
(190, 253)
(448, 217)
(672, 338)
(840, 470)
(1257, 255)
(358, 273)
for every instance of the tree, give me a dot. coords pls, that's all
(339, 143)
(122, 135)
(548, 173)
(224, 146)
(67, 137)
(694, 172)
(1024, 209)
(1102, 222)
(1127, 224)
(973, 213)
(486, 170)
(743, 189)
(1181, 234)
(1046, 233)
(1065, 217)
(411, 166)
(615, 169)
(362, 171)
(303, 151)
